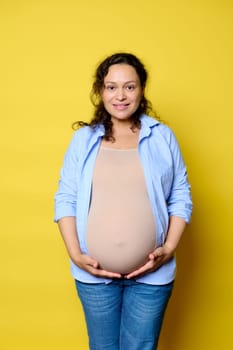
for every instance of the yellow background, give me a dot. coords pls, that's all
(49, 50)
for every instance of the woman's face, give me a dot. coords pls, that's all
(122, 92)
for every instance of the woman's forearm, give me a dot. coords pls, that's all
(67, 227)
(176, 228)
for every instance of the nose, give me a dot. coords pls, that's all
(120, 94)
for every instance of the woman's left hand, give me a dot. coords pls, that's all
(160, 256)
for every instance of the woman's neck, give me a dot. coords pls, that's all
(124, 137)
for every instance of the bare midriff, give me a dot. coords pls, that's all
(121, 230)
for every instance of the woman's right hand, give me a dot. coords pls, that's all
(90, 265)
(67, 227)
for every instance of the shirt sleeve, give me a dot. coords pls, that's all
(179, 202)
(66, 195)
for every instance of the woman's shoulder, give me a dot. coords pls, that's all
(82, 131)
(86, 131)
(84, 137)
(165, 129)
(157, 125)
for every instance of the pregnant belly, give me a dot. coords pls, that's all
(122, 253)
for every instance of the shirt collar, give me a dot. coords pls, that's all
(147, 123)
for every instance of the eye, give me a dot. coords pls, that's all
(110, 87)
(130, 87)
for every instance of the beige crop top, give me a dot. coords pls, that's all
(121, 229)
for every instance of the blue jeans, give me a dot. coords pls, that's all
(124, 314)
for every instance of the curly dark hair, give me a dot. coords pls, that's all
(101, 116)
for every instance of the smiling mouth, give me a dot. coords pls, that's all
(120, 106)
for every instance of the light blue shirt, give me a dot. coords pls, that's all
(166, 182)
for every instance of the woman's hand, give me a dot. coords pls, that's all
(67, 226)
(160, 256)
(91, 266)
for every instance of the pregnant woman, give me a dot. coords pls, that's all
(122, 205)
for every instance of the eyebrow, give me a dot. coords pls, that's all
(114, 82)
